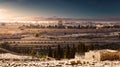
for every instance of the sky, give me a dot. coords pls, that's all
(60, 8)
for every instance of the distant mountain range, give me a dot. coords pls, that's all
(56, 18)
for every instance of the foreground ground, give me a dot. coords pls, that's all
(62, 63)
(79, 61)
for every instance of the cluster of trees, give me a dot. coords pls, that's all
(5, 45)
(42, 26)
(113, 46)
(114, 26)
(18, 49)
(58, 52)
(57, 26)
(69, 27)
(69, 51)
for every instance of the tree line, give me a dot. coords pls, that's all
(58, 52)
(69, 51)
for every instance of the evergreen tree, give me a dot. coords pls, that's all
(90, 47)
(68, 52)
(81, 48)
(61, 53)
(54, 53)
(57, 53)
(73, 50)
(36, 34)
(78, 26)
(49, 52)
(33, 52)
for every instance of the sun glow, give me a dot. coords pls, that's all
(3, 15)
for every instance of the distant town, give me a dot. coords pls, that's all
(60, 43)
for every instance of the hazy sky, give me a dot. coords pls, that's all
(60, 8)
